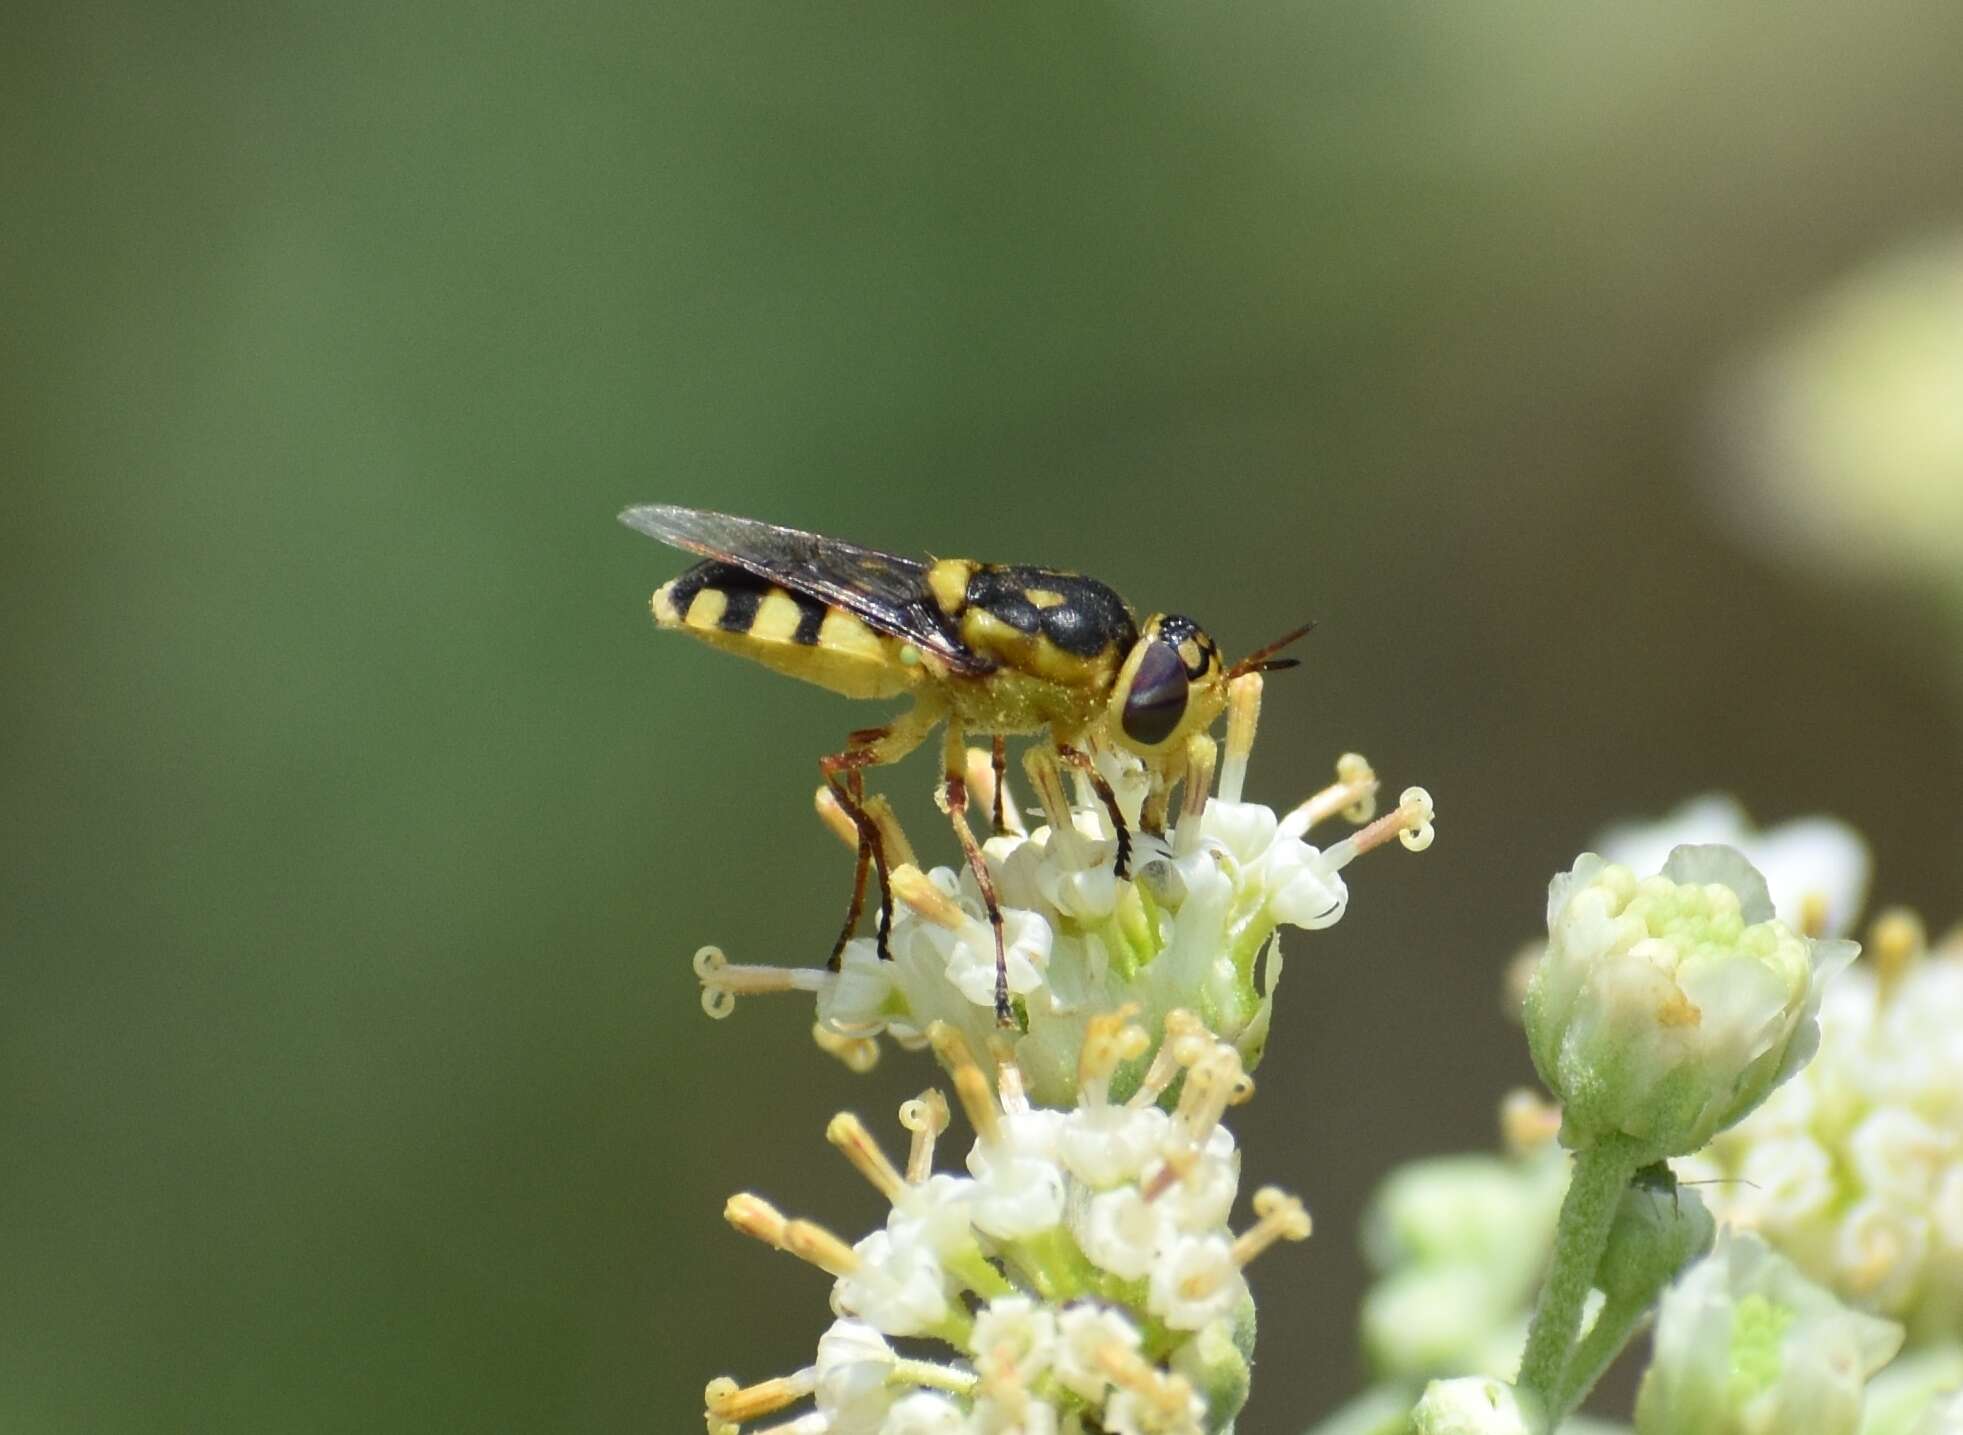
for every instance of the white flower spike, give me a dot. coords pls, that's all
(1120, 1299)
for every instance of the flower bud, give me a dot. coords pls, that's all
(1745, 1344)
(1665, 1008)
(1660, 1227)
(1476, 1405)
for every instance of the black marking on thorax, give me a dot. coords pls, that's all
(1090, 618)
(743, 594)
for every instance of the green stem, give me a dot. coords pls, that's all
(1595, 1189)
(1619, 1320)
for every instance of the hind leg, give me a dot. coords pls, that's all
(844, 774)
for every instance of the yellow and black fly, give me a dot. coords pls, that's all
(994, 649)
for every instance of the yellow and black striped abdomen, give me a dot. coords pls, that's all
(793, 633)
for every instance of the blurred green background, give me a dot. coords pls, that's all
(358, 827)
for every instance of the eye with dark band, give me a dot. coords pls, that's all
(1157, 699)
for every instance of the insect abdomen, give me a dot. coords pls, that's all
(734, 609)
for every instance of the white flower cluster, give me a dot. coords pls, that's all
(1854, 1168)
(1745, 1344)
(1192, 927)
(1083, 1270)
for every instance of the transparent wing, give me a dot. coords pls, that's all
(885, 590)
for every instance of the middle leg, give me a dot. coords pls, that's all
(953, 800)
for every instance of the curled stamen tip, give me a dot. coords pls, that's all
(716, 1396)
(1243, 1090)
(1415, 812)
(926, 1112)
(717, 1001)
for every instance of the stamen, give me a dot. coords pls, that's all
(1110, 1040)
(1169, 1394)
(811, 1242)
(739, 1405)
(1528, 1121)
(859, 1054)
(1047, 780)
(1243, 716)
(918, 891)
(970, 1086)
(891, 837)
(926, 1116)
(836, 819)
(849, 1134)
(998, 1379)
(1185, 1038)
(1410, 824)
(1813, 915)
(932, 1376)
(1209, 1088)
(1201, 751)
(1174, 1166)
(1280, 1217)
(723, 981)
(1008, 1076)
(1896, 941)
(1353, 794)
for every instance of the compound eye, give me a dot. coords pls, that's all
(1157, 699)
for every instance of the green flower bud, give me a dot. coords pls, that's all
(1213, 1363)
(1746, 1345)
(1477, 1405)
(1660, 1227)
(1665, 1008)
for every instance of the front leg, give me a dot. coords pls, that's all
(1083, 763)
(953, 800)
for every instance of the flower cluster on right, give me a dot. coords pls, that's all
(1704, 1022)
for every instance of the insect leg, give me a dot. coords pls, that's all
(844, 774)
(999, 758)
(855, 809)
(953, 800)
(1082, 762)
